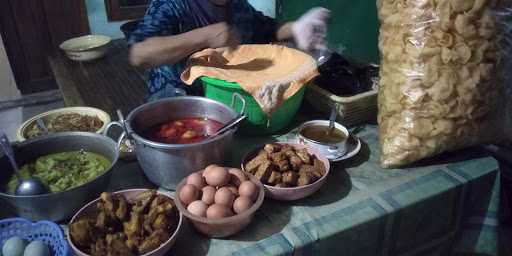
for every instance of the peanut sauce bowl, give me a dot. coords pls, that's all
(167, 164)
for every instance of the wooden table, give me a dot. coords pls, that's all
(109, 83)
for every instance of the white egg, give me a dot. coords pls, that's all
(37, 248)
(198, 208)
(14, 246)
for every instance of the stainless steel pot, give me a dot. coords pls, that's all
(62, 205)
(167, 164)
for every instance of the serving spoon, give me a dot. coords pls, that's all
(42, 126)
(332, 119)
(229, 125)
(26, 187)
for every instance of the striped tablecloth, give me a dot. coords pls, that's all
(443, 206)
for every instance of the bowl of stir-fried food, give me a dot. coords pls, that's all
(72, 119)
(129, 222)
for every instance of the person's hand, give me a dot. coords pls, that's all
(309, 31)
(220, 35)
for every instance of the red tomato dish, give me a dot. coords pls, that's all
(183, 131)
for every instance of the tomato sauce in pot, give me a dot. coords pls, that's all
(183, 131)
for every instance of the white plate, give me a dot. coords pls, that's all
(352, 151)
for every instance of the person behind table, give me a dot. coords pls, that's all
(174, 29)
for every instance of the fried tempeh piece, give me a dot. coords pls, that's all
(309, 169)
(264, 171)
(275, 178)
(252, 166)
(304, 155)
(290, 178)
(283, 166)
(319, 166)
(271, 148)
(306, 178)
(295, 162)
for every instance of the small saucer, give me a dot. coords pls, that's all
(354, 146)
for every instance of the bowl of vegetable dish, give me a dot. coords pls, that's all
(129, 222)
(72, 119)
(74, 166)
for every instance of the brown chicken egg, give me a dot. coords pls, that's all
(242, 204)
(198, 208)
(188, 194)
(248, 189)
(237, 176)
(197, 180)
(233, 189)
(218, 211)
(208, 195)
(209, 168)
(225, 197)
(217, 176)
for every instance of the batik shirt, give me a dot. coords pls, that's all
(173, 17)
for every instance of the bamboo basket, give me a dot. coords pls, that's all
(353, 110)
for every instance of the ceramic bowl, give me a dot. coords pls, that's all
(226, 226)
(21, 133)
(129, 194)
(86, 48)
(292, 193)
(329, 150)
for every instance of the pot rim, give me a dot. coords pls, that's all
(322, 122)
(159, 145)
(26, 143)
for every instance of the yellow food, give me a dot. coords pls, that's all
(441, 77)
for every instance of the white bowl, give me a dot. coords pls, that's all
(129, 194)
(292, 193)
(330, 151)
(102, 115)
(86, 48)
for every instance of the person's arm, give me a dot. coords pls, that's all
(156, 51)
(284, 31)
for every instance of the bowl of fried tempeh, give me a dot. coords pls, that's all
(289, 171)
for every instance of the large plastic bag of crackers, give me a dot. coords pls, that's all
(442, 77)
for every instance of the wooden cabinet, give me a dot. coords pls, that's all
(32, 29)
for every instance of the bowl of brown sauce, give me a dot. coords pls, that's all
(332, 143)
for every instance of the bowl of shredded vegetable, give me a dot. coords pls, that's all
(72, 119)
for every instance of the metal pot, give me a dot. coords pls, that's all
(167, 164)
(62, 205)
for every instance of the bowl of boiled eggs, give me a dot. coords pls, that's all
(219, 201)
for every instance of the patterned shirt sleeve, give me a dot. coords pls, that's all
(161, 19)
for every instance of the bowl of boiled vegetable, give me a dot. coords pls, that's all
(74, 166)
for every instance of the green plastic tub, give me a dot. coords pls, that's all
(257, 122)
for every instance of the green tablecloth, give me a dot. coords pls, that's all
(444, 206)
(441, 206)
